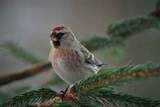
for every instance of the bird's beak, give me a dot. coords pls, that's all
(55, 39)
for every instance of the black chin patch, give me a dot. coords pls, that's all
(56, 44)
(58, 37)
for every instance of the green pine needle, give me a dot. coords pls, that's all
(106, 97)
(128, 27)
(95, 91)
(97, 97)
(110, 76)
(30, 99)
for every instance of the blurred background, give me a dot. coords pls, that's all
(28, 23)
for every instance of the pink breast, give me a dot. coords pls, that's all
(69, 59)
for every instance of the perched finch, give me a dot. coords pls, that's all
(69, 58)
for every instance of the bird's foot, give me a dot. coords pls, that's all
(63, 93)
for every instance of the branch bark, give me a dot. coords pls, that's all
(22, 74)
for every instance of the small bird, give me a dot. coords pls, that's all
(69, 58)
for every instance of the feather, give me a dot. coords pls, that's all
(90, 60)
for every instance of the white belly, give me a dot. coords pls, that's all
(69, 73)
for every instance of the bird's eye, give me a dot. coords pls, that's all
(59, 35)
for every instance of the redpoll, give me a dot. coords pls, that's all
(69, 58)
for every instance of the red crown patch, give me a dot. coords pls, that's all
(58, 28)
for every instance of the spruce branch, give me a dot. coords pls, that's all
(96, 85)
(99, 97)
(27, 72)
(111, 76)
(95, 91)
(128, 27)
(99, 42)
(119, 31)
(30, 99)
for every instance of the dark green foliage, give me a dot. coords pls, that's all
(97, 97)
(99, 42)
(29, 99)
(64, 104)
(106, 97)
(128, 27)
(104, 77)
(6, 94)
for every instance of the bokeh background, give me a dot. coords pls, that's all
(28, 23)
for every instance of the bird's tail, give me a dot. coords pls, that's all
(100, 65)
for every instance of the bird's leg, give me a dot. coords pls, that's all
(63, 92)
(66, 91)
(58, 98)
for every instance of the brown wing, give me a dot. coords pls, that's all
(90, 60)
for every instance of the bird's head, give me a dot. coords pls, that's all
(62, 36)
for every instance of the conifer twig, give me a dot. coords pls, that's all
(29, 99)
(124, 73)
(22, 74)
(92, 88)
(109, 77)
